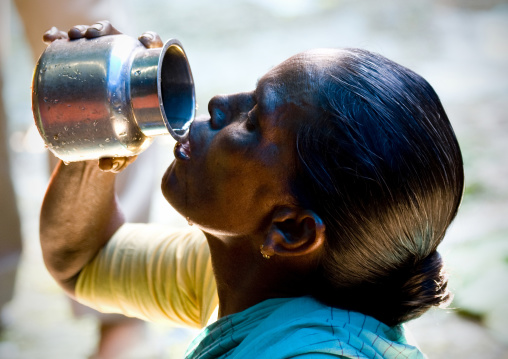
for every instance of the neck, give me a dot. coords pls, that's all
(244, 278)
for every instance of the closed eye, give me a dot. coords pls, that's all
(250, 123)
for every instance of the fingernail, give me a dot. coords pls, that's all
(74, 33)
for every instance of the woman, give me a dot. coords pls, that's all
(322, 196)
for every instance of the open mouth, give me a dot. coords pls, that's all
(182, 151)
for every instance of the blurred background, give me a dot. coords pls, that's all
(459, 46)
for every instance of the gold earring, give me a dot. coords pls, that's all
(265, 256)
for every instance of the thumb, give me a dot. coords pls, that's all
(115, 164)
(151, 40)
(53, 34)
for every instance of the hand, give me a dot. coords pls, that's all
(102, 28)
(150, 40)
(53, 34)
(115, 164)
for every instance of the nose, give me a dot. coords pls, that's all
(218, 107)
(225, 109)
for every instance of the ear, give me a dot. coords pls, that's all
(294, 232)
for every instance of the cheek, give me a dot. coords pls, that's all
(229, 157)
(243, 164)
(233, 141)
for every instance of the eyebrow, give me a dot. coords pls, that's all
(266, 101)
(258, 81)
(256, 91)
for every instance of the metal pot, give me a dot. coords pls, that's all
(109, 96)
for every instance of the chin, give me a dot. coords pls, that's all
(174, 190)
(168, 183)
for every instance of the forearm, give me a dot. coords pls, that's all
(79, 215)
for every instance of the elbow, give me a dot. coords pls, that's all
(64, 274)
(61, 264)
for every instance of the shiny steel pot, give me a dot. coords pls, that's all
(109, 96)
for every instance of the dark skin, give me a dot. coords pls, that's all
(231, 179)
(90, 184)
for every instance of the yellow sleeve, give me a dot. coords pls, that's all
(154, 273)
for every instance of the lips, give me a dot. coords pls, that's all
(182, 151)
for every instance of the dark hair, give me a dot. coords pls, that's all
(383, 169)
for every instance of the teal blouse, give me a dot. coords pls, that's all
(300, 328)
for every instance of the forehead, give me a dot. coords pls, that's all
(283, 85)
(295, 81)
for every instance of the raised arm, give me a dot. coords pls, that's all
(78, 216)
(80, 212)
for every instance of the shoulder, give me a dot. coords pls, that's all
(304, 327)
(141, 238)
(136, 231)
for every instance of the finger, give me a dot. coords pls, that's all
(77, 32)
(101, 28)
(53, 34)
(150, 40)
(115, 164)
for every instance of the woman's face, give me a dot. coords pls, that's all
(236, 165)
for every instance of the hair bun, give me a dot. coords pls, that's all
(397, 298)
(425, 287)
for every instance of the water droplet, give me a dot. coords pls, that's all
(137, 73)
(55, 137)
(56, 101)
(66, 128)
(122, 134)
(82, 108)
(107, 139)
(66, 163)
(45, 99)
(101, 145)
